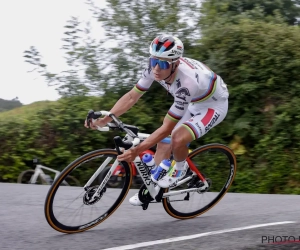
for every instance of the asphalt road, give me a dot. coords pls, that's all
(239, 221)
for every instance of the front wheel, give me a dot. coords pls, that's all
(217, 164)
(73, 209)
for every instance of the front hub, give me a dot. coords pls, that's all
(88, 198)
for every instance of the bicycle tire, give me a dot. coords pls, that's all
(48, 207)
(232, 159)
(30, 172)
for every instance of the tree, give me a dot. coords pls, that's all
(251, 44)
(95, 68)
(259, 61)
(84, 58)
(131, 26)
(219, 12)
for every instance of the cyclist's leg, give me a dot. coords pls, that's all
(180, 139)
(164, 148)
(163, 151)
(189, 130)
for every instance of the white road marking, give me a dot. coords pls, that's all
(194, 236)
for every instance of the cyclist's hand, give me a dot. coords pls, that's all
(97, 123)
(128, 156)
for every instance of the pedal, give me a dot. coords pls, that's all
(145, 206)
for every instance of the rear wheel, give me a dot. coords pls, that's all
(217, 163)
(73, 209)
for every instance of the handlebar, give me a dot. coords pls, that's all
(92, 115)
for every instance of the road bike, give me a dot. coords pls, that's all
(38, 176)
(75, 209)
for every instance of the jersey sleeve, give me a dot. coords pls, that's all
(182, 98)
(145, 81)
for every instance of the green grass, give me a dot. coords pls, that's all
(25, 111)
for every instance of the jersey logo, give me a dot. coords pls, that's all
(178, 107)
(178, 83)
(144, 73)
(197, 77)
(182, 93)
(145, 70)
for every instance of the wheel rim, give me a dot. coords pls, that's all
(217, 164)
(71, 208)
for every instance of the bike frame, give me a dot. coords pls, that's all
(152, 187)
(119, 169)
(38, 171)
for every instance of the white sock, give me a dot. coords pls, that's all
(179, 165)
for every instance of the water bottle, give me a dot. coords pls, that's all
(161, 170)
(149, 161)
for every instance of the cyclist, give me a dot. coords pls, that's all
(200, 103)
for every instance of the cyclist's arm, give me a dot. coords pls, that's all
(129, 99)
(124, 104)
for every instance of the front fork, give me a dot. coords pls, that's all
(106, 178)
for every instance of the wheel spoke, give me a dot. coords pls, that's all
(70, 208)
(217, 165)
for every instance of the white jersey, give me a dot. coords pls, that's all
(194, 87)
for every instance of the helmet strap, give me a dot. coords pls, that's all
(172, 72)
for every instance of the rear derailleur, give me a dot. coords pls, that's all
(197, 183)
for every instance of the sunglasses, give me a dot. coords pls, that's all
(162, 64)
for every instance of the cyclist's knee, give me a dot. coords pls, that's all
(181, 136)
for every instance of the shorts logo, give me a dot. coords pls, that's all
(212, 122)
(182, 93)
(198, 126)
